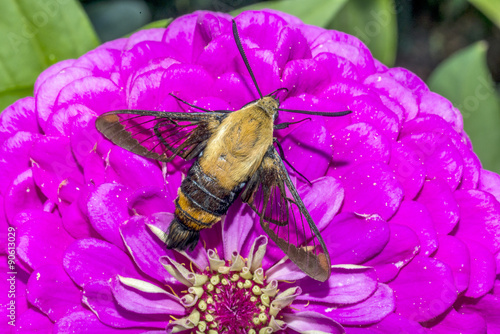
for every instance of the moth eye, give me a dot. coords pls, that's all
(276, 114)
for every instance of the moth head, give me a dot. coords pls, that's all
(270, 105)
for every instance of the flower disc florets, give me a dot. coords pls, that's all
(230, 297)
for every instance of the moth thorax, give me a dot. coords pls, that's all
(269, 104)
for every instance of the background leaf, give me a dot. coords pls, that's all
(374, 22)
(35, 35)
(465, 80)
(317, 12)
(490, 8)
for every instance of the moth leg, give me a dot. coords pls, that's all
(282, 155)
(251, 187)
(285, 125)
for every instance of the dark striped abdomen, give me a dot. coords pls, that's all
(202, 200)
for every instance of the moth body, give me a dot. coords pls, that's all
(232, 154)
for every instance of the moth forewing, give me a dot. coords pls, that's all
(159, 135)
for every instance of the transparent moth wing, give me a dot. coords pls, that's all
(284, 217)
(159, 135)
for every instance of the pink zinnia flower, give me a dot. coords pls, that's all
(410, 218)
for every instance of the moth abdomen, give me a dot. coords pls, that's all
(180, 236)
(200, 204)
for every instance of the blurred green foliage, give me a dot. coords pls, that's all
(35, 35)
(465, 80)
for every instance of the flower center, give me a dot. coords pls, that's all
(231, 297)
(234, 304)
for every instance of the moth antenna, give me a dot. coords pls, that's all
(318, 113)
(243, 55)
(277, 90)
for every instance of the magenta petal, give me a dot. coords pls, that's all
(408, 168)
(33, 321)
(84, 135)
(355, 144)
(75, 219)
(455, 254)
(146, 302)
(22, 195)
(345, 286)
(482, 269)
(303, 76)
(107, 210)
(151, 199)
(53, 292)
(415, 216)
(308, 146)
(479, 218)
(403, 245)
(301, 322)
(391, 88)
(53, 162)
(88, 260)
(322, 199)
(409, 79)
(86, 322)
(97, 93)
(50, 71)
(354, 239)
(98, 296)
(489, 309)
(237, 224)
(432, 103)
(439, 201)
(15, 153)
(394, 323)
(344, 46)
(19, 116)
(371, 310)
(291, 45)
(456, 322)
(134, 171)
(145, 248)
(490, 182)
(370, 188)
(49, 90)
(441, 158)
(424, 289)
(42, 240)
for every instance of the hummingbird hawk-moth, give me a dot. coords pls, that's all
(235, 156)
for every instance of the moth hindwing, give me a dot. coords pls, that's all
(284, 217)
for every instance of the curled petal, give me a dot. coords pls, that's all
(301, 322)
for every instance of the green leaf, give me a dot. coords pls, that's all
(317, 12)
(35, 35)
(156, 24)
(490, 8)
(373, 22)
(465, 80)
